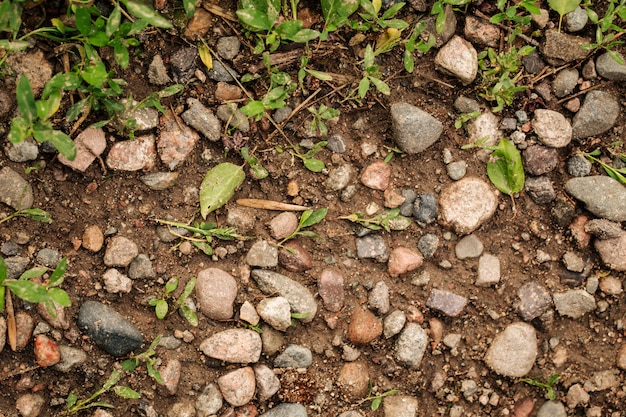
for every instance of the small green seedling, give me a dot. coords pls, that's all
(308, 159)
(390, 219)
(258, 170)
(371, 75)
(516, 13)
(218, 187)
(607, 31)
(618, 174)
(298, 316)
(307, 219)
(464, 118)
(392, 152)
(439, 9)
(372, 21)
(377, 399)
(161, 306)
(38, 215)
(320, 115)
(74, 406)
(548, 385)
(129, 365)
(336, 14)
(203, 234)
(505, 168)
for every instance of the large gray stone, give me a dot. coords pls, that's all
(202, 119)
(598, 114)
(15, 191)
(574, 303)
(610, 69)
(411, 345)
(300, 298)
(602, 195)
(414, 130)
(513, 351)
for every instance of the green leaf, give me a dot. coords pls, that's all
(368, 57)
(204, 247)
(13, 45)
(154, 373)
(218, 186)
(63, 143)
(71, 400)
(20, 130)
(563, 7)
(161, 309)
(381, 86)
(129, 365)
(505, 169)
(32, 273)
(364, 86)
(26, 100)
(254, 108)
(2, 293)
(376, 403)
(28, 291)
(126, 392)
(114, 21)
(60, 297)
(83, 20)
(120, 53)
(171, 285)
(56, 278)
(191, 284)
(304, 36)
(314, 165)
(3, 271)
(190, 7)
(312, 217)
(336, 12)
(95, 73)
(320, 75)
(254, 20)
(147, 13)
(189, 315)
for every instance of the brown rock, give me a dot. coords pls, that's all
(354, 380)
(238, 386)
(364, 327)
(170, 375)
(227, 92)
(611, 285)
(612, 252)
(133, 155)
(216, 291)
(393, 199)
(403, 260)
(176, 140)
(93, 239)
(199, 24)
(481, 31)
(283, 225)
(297, 261)
(59, 321)
(580, 235)
(523, 408)
(24, 325)
(30, 405)
(46, 351)
(621, 357)
(330, 288)
(376, 176)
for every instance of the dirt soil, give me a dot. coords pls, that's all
(119, 200)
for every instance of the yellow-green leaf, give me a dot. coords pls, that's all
(219, 186)
(205, 56)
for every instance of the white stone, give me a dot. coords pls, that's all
(459, 59)
(513, 351)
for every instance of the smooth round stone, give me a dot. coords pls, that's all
(403, 260)
(552, 409)
(364, 327)
(513, 351)
(300, 298)
(602, 195)
(209, 401)
(120, 252)
(467, 204)
(267, 382)
(238, 386)
(216, 291)
(469, 246)
(552, 128)
(294, 356)
(414, 130)
(354, 379)
(234, 346)
(598, 114)
(286, 410)
(376, 176)
(276, 312)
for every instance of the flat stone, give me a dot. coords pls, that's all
(15, 191)
(459, 59)
(603, 380)
(199, 24)
(216, 291)
(574, 303)
(513, 351)
(376, 176)
(30, 405)
(573, 262)
(90, 143)
(393, 323)
(228, 92)
(534, 300)
(238, 386)
(133, 155)
(300, 298)
(209, 401)
(354, 380)
(202, 119)
(414, 130)
(183, 63)
(428, 244)
(283, 225)
(481, 31)
(364, 327)
(228, 47)
(234, 346)
(286, 410)
(598, 114)
(576, 395)
(116, 282)
(403, 260)
(411, 345)
(565, 82)
(276, 312)
(46, 351)
(576, 20)
(70, 358)
(157, 72)
(294, 356)
(488, 271)
(160, 181)
(170, 374)
(603, 229)
(611, 285)
(602, 195)
(262, 255)
(222, 72)
(456, 170)
(339, 177)
(559, 47)
(145, 118)
(612, 252)
(120, 252)
(372, 247)
(248, 313)
(400, 406)
(33, 64)
(108, 329)
(552, 128)
(141, 268)
(467, 204)
(175, 141)
(539, 160)
(267, 383)
(24, 325)
(447, 302)
(552, 409)
(273, 340)
(540, 189)
(330, 288)
(48, 257)
(294, 257)
(378, 298)
(610, 69)
(469, 246)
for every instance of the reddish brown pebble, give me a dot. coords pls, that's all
(247, 411)
(297, 261)
(46, 351)
(621, 357)
(227, 92)
(573, 105)
(330, 288)
(93, 239)
(524, 408)
(403, 260)
(376, 176)
(364, 327)
(577, 229)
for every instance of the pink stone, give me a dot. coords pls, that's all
(133, 155)
(330, 288)
(176, 141)
(376, 176)
(46, 351)
(90, 143)
(403, 260)
(364, 327)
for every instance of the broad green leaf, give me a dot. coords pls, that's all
(63, 143)
(46, 108)
(115, 19)
(368, 57)
(71, 400)
(409, 61)
(313, 217)
(26, 100)
(254, 108)
(204, 247)
(381, 86)
(28, 291)
(392, 11)
(125, 392)
(218, 186)
(120, 53)
(563, 6)
(154, 373)
(60, 297)
(95, 73)
(336, 12)
(254, 20)
(505, 169)
(13, 45)
(364, 86)
(190, 7)
(171, 90)
(171, 285)
(153, 302)
(376, 403)
(99, 39)
(304, 36)
(129, 365)
(189, 315)
(75, 111)
(56, 278)
(289, 28)
(83, 20)
(191, 284)
(147, 13)
(161, 309)
(32, 273)
(20, 130)
(320, 75)
(314, 165)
